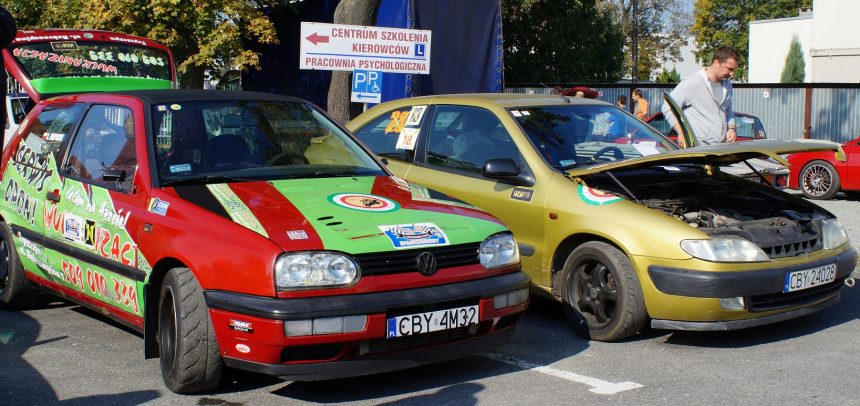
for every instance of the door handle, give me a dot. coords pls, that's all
(53, 196)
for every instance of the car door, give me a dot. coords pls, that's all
(851, 178)
(87, 211)
(30, 175)
(457, 141)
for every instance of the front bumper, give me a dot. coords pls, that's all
(265, 348)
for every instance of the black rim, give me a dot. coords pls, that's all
(817, 180)
(167, 330)
(595, 292)
(4, 265)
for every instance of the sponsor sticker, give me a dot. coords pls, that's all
(415, 235)
(297, 234)
(180, 168)
(161, 108)
(158, 206)
(175, 107)
(522, 194)
(363, 202)
(596, 197)
(54, 137)
(244, 349)
(243, 326)
(73, 228)
(408, 138)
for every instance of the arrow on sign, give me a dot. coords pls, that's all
(364, 96)
(316, 38)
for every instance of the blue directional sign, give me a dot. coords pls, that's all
(366, 86)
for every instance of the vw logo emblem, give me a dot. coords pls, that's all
(426, 263)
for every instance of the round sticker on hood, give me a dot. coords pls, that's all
(596, 197)
(363, 202)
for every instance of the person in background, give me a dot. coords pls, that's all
(579, 93)
(622, 102)
(641, 110)
(706, 99)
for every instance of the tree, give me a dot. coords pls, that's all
(661, 28)
(560, 41)
(726, 22)
(201, 35)
(668, 76)
(353, 12)
(795, 67)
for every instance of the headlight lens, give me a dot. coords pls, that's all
(833, 234)
(499, 250)
(314, 269)
(724, 249)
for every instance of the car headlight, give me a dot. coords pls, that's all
(833, 235)
(724, 249)
(499, 250)
(314, 269)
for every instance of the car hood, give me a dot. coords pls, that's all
(717, 154)
(349, 214)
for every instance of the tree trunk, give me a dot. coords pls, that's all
(352, 12)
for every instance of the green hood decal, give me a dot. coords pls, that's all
(369, 214)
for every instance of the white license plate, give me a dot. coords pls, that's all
(807, 278)
(429, 322)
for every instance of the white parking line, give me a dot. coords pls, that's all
(598, 386)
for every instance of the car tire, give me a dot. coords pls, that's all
(187, 346)
(16, 292)
(601, 293)
(819, 180)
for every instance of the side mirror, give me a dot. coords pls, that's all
(113, 175)
(507, 171)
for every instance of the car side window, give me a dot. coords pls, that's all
(103, 150)
(380, 134)
(44, 133)
(465, 137)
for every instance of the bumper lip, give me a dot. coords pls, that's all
(705, 284)
(745, 323)
(365, 303)
(368, 365)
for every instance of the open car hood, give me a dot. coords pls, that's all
(718, 154)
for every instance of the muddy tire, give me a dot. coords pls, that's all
(190, 359)
(16, 292)
(601, 293)
(819, 180)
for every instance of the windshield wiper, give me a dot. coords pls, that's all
(205, 180)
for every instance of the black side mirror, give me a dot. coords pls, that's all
(507, 171)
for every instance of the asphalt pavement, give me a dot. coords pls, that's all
(64, 354)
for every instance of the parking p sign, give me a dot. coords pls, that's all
(366, 86)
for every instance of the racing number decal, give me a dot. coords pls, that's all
(398, 120)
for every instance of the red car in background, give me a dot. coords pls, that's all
(821, 176)
(749, 127)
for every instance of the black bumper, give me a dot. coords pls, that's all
(741, 324)
(685, 282)
(377, 364)
(366, 303)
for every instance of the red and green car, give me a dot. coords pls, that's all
(250, 231)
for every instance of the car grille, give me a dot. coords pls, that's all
(793, 249)
(775, 301)
(383, 263)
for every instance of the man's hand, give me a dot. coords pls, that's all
(731, 135)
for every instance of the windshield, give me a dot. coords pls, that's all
(222, 141)
(581, 135)
(80, 58)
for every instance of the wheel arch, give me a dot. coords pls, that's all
(151, 291)
(563, 250)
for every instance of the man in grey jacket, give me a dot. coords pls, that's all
(706, 99)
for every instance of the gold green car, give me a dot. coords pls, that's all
(613, 219)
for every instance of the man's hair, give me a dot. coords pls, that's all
(725, 53)
(637, 92)
(622, 99)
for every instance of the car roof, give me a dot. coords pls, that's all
(510, 99)
(186, 95)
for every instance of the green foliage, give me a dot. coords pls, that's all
(668, 76)
(726, 22)
(661, 29)
(201, 35)
(560, 41)
(795, 67)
